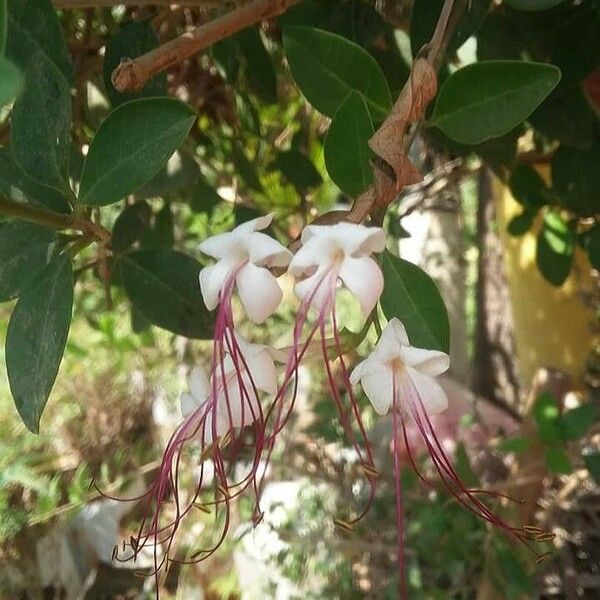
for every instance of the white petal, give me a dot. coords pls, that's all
(359, 240)
(317, 289)
(432, 394)
(265, 251)
(259, 292)
(379, 389)
(224, 246)
(206, 430)
(364, 279)
(240, 406)
(392, 340)
(311, 255)
(188, 404)
(198, 382)
(263, 371)
(429, 362)
(255, 224)
(361, 369)
(212, 279)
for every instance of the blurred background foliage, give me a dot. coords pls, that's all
(507, 228)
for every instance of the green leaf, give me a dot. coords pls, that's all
(411, 295)
(298, 169)
(36, 338)
(533, 5)
(134, 142)
(259, 66)
(162, 233)
(204, 197)
(576, 422)
(487, 99)
(246, 169)
(527, 187)
(326, 67)
(33, 28)
(592, 462)
(425, 15)
(514, 444)
(25, 249)
(132, 40)
(346, 149)
(163, 285)
(11, 81)
(566, 117)
(41, 125)
(593, 247)
(547, 417)
(180, 173)
(557, 461)
(130, 225)
(520, 224)
(15, 185)
(555, 246)
(576, 178)
(3, 26)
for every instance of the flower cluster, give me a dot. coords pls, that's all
(242, 403)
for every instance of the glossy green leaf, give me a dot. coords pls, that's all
(411, 295)
(204, 197)
(132, 40)
(346, 150)
(298, 169)
(326, 67)
(130, 225)
(520, 224)
(36, 338)
(162, 232)
(425, 15)
(527, 187)
(576, 178)
(163, 285)
(134, 142)
(557, 461)
(15, 185)
(488, 99)
(180, 173)
(33, 28)
(11, 81)
(576, 422)
(41, 125)
(592, 462)
(259, 70)
(555, 244)
(25, 249)
(547, 417)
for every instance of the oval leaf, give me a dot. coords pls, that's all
(11, 81)
(134, 142)
(25, 249)
(41, 125)
(346, 150)
(297, 169)
(411, 295)
(163, 285)
(554, 254)
(327, 67)
(36, 338)
(132, 40)
(488, 99)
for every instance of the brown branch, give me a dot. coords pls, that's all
(131, 75)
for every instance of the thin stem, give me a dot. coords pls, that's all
(33, 214)
(131, 75)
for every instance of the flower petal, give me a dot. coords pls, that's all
(317, 290)
(265, 251)
(364, 279)
(378, 387)
(312, 255)
(240, 402)
(432, 394)
(227, 246)
(359, 240)
(259, 292)
(212, 280)
(429, 362)
(198, 382)
(392, 340)
(255, 224)
(263, 371)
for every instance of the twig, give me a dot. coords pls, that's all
(131, 75)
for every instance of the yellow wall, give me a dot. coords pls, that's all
(552, 325)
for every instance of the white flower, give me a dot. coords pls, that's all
(246, 254)
(237, 383)
(413, 368)
(341, 251)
